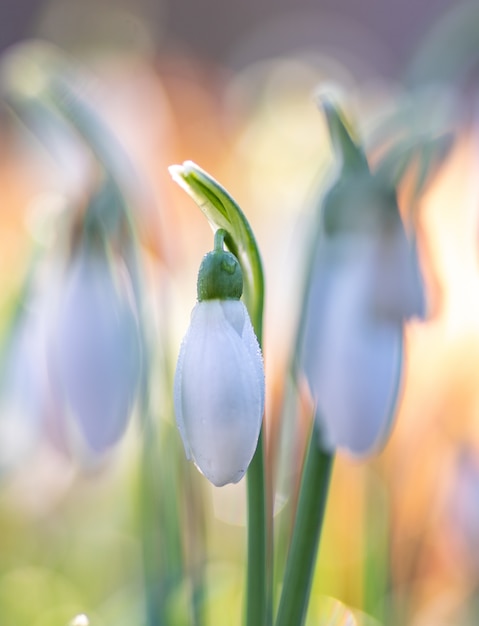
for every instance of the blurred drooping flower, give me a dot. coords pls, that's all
(364, 283)
(219, 382)
(23, 396)
(95, 351)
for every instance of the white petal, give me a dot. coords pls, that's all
(219, 391)
(95, 354)
(22, 390)
(352, 361)
(231, 308)
(398, 287)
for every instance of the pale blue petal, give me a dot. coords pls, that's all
(219, 397)
(22, 390)
(351, 360)
(95, 354)
(398, 288)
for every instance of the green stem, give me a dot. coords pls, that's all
(220, 239)
(149, 514)
(306, 534)
(256, 591)
(376, 543)
(259, 587)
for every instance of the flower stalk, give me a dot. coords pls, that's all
(307, 529)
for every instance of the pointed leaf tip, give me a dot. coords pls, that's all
(177, 173)
(222, 211)
(350, 153)
(175, 170)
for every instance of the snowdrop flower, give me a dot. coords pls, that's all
(23, 397)
(219, 382)
(95, 347)
(365, 283)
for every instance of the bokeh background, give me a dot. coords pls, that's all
(231, 86)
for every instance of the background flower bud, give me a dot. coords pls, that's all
(23, 393)
(365, 282)
(352, 359)
(95, 348)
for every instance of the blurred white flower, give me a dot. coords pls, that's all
(364, 284)
(23, 397)
(219, 390)
(95, 348)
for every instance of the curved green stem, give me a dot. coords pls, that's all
(259, 568)
(257, 610)
(306, 534)
(223, 212)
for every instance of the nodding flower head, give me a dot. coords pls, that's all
(219, 382)
(365, 282)
(95, 347)
(23, 390)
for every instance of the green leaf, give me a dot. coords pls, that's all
(96, 134)
(346, 148)
(308, 524)
(222, 211)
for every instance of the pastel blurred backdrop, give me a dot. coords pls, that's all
(127, 532)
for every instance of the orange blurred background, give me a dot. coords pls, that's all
(238, 101)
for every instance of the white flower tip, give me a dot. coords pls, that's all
(190, 166)
(187, 167)
(176, 173)
(222, 481)
(327, 95)
(180, 173)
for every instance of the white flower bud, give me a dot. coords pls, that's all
(219, 390)
(95, 349)
(363, 287)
